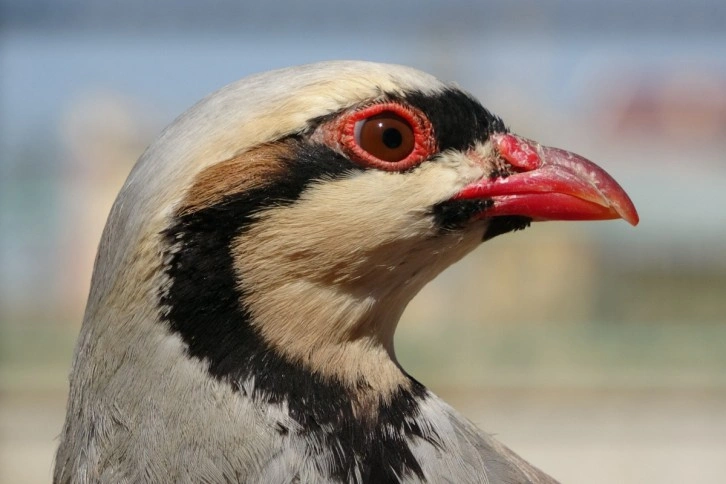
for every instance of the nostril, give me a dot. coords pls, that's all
(519, 152)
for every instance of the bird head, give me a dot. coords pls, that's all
(295, 213)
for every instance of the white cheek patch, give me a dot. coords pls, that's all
(352, 252)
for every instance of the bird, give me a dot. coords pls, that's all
(253, 269)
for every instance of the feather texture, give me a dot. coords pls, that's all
(248, 285)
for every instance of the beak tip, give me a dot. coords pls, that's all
(628, 213)
(625, 209)
(633, 219)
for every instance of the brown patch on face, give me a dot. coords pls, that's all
(243, 172)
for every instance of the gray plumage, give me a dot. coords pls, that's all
(249, 281)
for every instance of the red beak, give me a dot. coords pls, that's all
(550, 184)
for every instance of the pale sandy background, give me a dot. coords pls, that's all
(597, 351)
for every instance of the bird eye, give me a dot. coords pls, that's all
(386, 136)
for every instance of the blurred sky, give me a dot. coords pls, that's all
(637, 86)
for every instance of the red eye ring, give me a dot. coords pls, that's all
(423, 139)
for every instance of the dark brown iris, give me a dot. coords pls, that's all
(386, 136)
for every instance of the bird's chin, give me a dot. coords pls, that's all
(473, 215)
(505, 224)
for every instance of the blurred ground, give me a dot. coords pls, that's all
(587, 418)
(577, 436)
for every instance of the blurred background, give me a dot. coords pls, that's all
(595, 350)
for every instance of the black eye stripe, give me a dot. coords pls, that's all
(459, 121)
